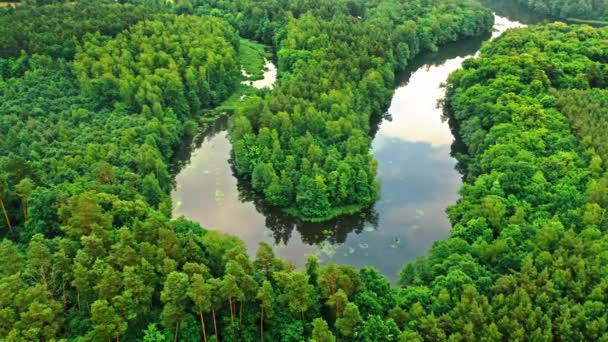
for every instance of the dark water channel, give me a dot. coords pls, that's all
(416, 171)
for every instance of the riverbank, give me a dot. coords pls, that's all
(335, 213)
(253, 57)
(415, 169)
(587, 22)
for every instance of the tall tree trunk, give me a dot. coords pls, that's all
(302, 312)
(262, 322)
(231, 311)
(176, 331)
(8, 221)
(117, 338)
(78, 297)
(215, 324)
(200, 312)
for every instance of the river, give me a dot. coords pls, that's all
(416, 172)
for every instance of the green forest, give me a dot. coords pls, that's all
(306, 145)
(97, 96)
(587, 11)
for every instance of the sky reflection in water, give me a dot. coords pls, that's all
(416, 172)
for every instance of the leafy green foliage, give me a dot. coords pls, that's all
(183, 63)
(596, 9)
(55, 30)
(89, 251)
(306, 144)
(522, 261)
(252, 56)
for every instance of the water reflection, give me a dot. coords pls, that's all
(283, 226)
(207, 191)
(269, 77)
(417, 173)
(515, 12)
(417, 95)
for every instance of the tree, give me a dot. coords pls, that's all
(138, 285)
(375, 328)
(362, 186)
(82, 276)
(10, 258)
(231, 290)
(349, 322)
(338, 302)
(266, 297)
(105, 173)
(39, 257)
(152, 334)
(262, 176)
(320, 331)
(329, 278)
(200, 293)
(106, 322)
(151, 190)
(174, 297)
(265, 260)
(184, 7)
(312, 269)
(39, 313)
(312, 197)
(238, 281)
(24, 190)
(299, 292)
(216, 286)
(3, 192)
(83, 215)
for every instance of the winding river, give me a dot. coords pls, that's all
(416, 171)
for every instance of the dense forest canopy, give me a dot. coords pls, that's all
(92, 111)
(305, 145)
(91, 114)
(569, 9)
(526, 256)
(55, 30)
(82, 161)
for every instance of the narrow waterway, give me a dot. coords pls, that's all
(416, 172)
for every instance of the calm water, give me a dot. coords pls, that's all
(416, 172)
(270, 76)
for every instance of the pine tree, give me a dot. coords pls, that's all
(174, 297)
(266, 297)
(200, 293)
(349, 322)
(321, 332)
(106, 322)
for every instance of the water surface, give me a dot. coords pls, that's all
(416, 171)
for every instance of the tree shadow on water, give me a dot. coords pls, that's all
(282, 225)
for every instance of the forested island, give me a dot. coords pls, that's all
(96, 98)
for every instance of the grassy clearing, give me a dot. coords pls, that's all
(229, 105)
(252, 55)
